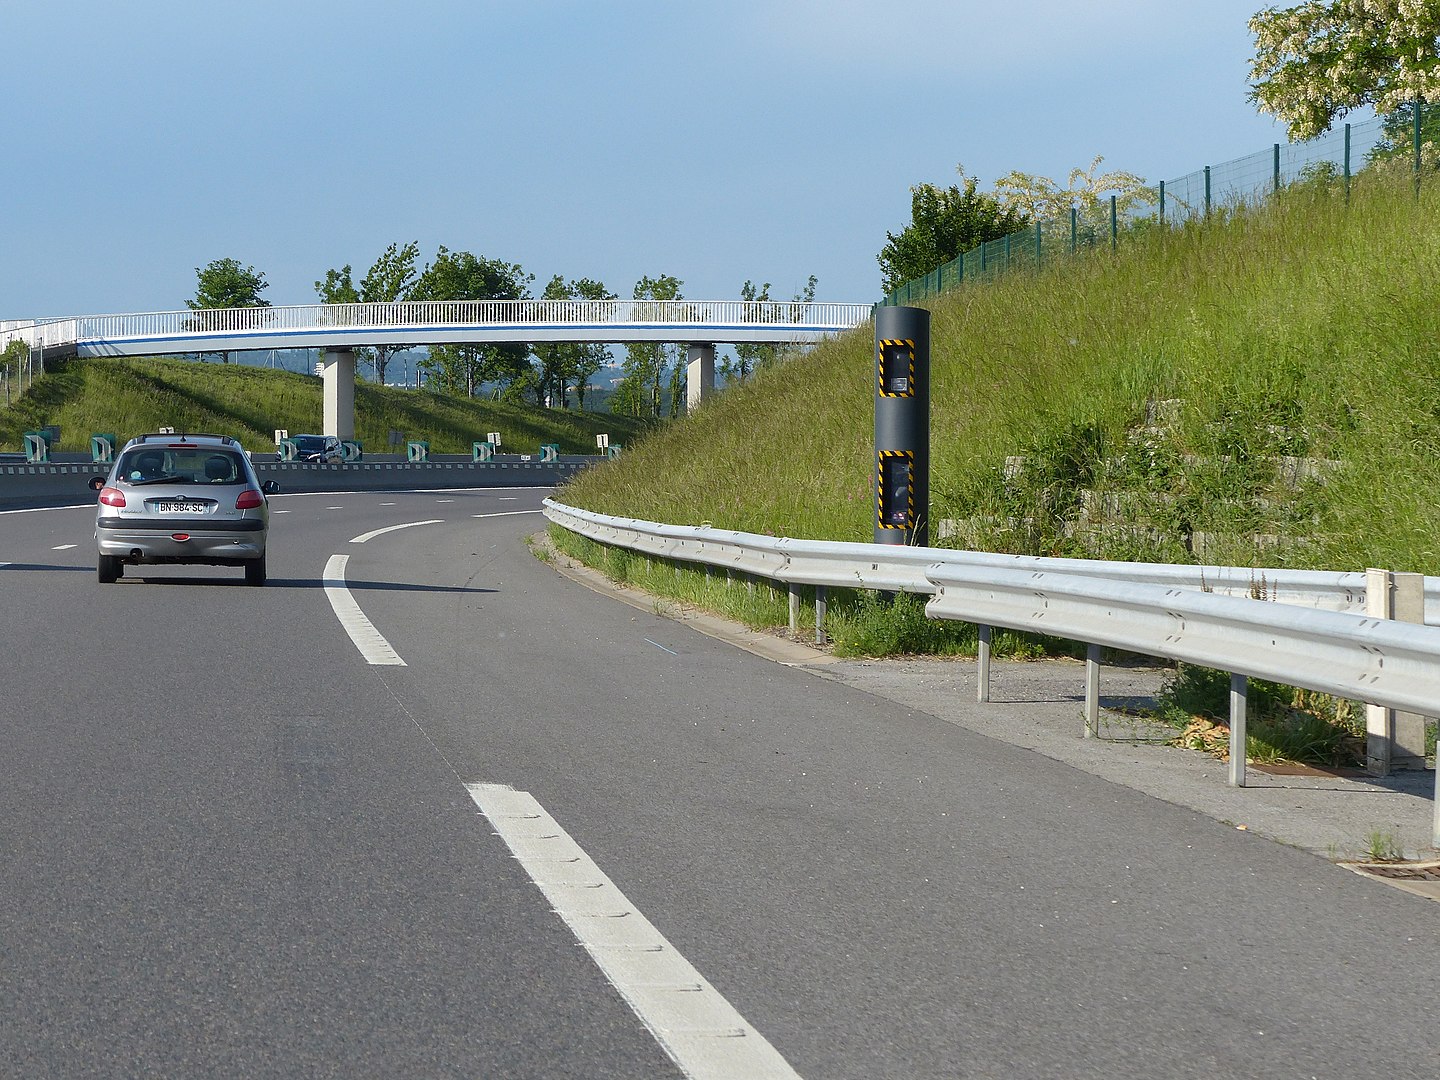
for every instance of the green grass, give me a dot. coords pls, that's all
(131, 396)
(1175, 382)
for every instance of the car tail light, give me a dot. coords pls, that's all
(249, 499)
(112, 496)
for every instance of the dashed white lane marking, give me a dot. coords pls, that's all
(444, 500)
(63, 547)
(508, 513)
(387, 504)
(371, 643)
(393, 528)
(694, 1024)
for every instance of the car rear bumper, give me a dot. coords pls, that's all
(182, 542)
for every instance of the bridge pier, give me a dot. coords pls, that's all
(337, 372)
(699, 375)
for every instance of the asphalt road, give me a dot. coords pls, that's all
(233, 847)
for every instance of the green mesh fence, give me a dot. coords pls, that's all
(1335, 157)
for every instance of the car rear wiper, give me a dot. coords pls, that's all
(156, 480)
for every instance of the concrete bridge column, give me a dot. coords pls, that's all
(337, 371)
(699, 375)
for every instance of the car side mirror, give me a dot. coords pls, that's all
(96, 483)
(270, 487)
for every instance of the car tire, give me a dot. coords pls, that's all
(109, 568)
(255, 571)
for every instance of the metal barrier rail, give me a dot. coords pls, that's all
(1379, 661)
(1301, 628)
(900, 569)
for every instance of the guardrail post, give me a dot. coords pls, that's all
(794, 608)
(1092, 691)
(1394, 739)
(982, 667)
(821, 598)
(1239, 700)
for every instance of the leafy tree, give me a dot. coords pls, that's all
(944, 223)
(391, 278)
(1397, 139)
(224, 284)
(459, 275)
(337, 288)
(647, 362)
(1318, 60)
(564, 362)
(751, 356)
(13, 362)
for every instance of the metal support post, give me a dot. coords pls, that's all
(820, 604)
(1092, 691)
(794, 608)
(1239, 699)
(982, 671)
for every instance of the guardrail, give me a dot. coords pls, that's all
(1302, 628)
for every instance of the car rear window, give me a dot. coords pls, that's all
(181, 465)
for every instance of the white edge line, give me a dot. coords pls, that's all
(701, 1031)
(371, 643)
(508, 513)
(393, 528)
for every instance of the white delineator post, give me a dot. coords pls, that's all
(337, 372)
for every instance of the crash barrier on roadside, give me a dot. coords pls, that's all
(24, 486)
(102, 448)
(1305, 628)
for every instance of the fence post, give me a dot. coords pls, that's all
(1239, 699)
(1207, 192)
(1347, 163)
(1074, 229)
(1162, 202)
(1277, 168)
(1417, 147)
(1114, 226)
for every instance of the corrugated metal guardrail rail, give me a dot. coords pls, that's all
(1302, 628)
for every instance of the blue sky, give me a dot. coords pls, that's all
(718, 142)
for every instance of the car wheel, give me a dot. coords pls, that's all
(110, 568)
(255, 571)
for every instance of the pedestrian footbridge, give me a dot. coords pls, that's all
(339, 329)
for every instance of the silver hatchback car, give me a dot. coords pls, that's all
(182, 499)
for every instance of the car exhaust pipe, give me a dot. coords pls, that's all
(135, 554)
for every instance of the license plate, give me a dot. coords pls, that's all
(181, 507)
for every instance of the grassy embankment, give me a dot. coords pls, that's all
(1262, 389)
(128, 397)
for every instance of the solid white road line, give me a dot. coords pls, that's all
(507, 513)
(694, 1024)
(393, 528)
(372, 645)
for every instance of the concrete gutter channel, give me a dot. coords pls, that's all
(1037, 705)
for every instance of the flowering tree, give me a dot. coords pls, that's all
(1320, 59)
(1088, 191)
